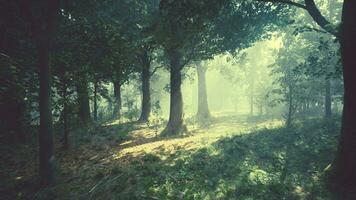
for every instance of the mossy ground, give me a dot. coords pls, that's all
(232, 157)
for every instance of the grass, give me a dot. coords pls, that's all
(231, 158)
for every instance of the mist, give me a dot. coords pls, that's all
(173, 100)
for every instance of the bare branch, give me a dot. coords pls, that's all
(155, 69)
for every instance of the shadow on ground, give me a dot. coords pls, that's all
(234, 158)
(267, 164)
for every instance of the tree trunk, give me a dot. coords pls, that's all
(203, 107)
(95, 101)
(290, 107)
(251, 96)
(327, 99)
(13, 118)
(344, 173)
(261, 109)
(42, 36)
(146, 95)
(46, 157)
(12, 105)
(251, 104)
(65, 111)
(65, 127)
(117, 104)
(83, 101)
(175, 122)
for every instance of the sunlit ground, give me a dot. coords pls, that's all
(231, 157)
(144, 141)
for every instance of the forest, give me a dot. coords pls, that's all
(178, 99)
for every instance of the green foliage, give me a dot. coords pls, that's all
(97, 43)
(268, 164)
(302, 77)
(156, 118)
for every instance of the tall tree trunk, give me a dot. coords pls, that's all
(251, 104)
(65, 126)
(65, 113)
(42, 36)
(252, 85)
(13, 105)
(83, 101)
(344, 173)
(13, 117)
(175, 122)
(203, 107)
(290, 107)
(46, 157)
(95, 101)
(117, 95)
(261, 109)
(327, 99)
(146, 95)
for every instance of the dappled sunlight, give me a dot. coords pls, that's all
(251, 162)
(177, 100)
(146, 140)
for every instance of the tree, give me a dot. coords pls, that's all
(203, 112)
(303, 74)
(146, 94)
(195, 31)
(288, 80)
(62, 76)
(12, 104)
(314, 12)
(42, 27)
(344, 175)
(181, 23)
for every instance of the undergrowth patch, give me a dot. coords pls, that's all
(258, 162)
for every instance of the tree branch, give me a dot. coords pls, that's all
(188, 59)
(287, 2)
(315, 13)
(155, 69)
(309, 29)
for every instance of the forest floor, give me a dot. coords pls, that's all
(231, 157)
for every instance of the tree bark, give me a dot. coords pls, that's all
(83, 101)
(203, 107)
(344, 173)
(13, 117)
(64, 84)
(146, 95)
(290, 107)
(314, 13)
(41, 31)
(327, 99)
(46, 157)
(95, 101)
(117, 95)
(175, 122)
(65, 126)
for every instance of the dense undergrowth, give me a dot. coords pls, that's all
(274, 163)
